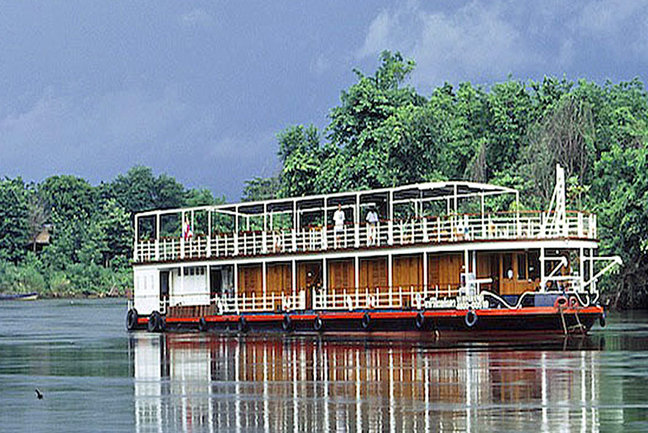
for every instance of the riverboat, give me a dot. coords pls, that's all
(428, 257)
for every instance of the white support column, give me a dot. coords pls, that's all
(591, 278)
(483, 217)
(293, 276)
(390, 263)
(157, 236)
(136, 241)
(324, 228)
(294, 232)
(542, 270)
(324, 275)
(581, 273)
(236, 231)
(264, 232)
(518, 227)
(209, 232)
(456, 200)
(356, 274)
(390, 226)
(182, 237)
(356, 214)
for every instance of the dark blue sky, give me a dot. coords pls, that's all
(198, 90)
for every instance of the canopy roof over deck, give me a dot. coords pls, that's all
(450, 191)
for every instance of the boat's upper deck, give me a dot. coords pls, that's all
(439, 212)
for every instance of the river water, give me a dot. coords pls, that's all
(95, 376)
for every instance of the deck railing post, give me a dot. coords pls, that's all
(264, 240)
(390, 232)
(357, 234)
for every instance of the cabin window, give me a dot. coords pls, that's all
(522, 266)
(508, 266)
(534, 265)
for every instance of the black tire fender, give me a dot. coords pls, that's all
(286, 323)
(318, 324)
(202, 324)
(602, 320)
(243, 325)
(366, 321)
(153, 324)
(131, 319)
(419, 321)
(470, 318)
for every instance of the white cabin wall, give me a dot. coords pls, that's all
(147, 290)
(192, 290)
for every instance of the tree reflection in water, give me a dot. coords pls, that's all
(211, 382)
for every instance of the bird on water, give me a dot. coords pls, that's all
(39, 394)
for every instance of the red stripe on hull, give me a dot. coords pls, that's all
(387, 315)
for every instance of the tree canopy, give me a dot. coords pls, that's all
(382, 133)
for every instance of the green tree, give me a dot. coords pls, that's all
(261, 188)
(14, 213)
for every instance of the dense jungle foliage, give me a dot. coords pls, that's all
(382, 133)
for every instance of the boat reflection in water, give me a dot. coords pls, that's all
(199, 382)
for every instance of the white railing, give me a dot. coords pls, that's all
(378, 298)
(268, 303)
(453, 228)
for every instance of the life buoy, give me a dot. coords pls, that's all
(131, 319)
(602, 319)
(560, 302)
(366, 321)
(242, 325)
(419, 321)
(202, 324)
(286, 323)
(318, 324)
(573, 302)
(470, 318)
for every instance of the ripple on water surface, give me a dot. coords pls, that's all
(97, 377)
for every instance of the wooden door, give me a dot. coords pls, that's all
(373, 273)
(250, 280)
(309, 278)
(279, 278)
(408, 271)
(444, 270)
(341, 274)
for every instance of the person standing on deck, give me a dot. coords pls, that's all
(372, 222)
(187, 233)
(338, 229)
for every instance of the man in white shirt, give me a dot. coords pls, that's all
(372, 222)
(338, 219)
